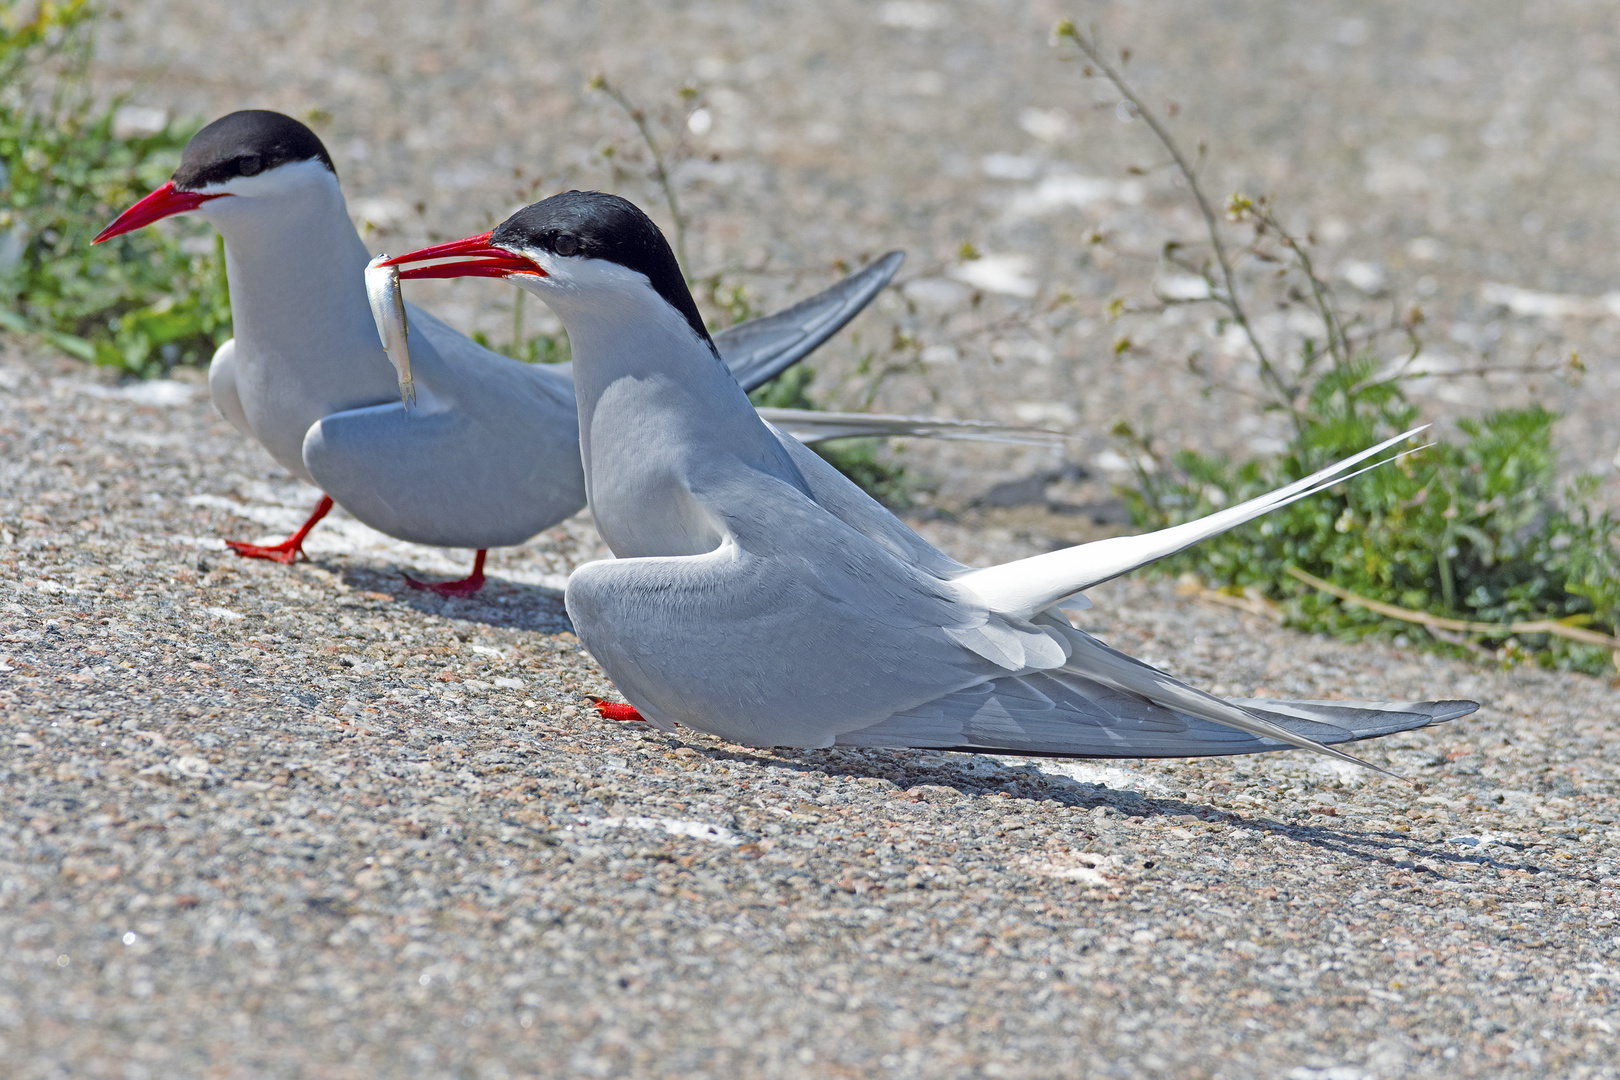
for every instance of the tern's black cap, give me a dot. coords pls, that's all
(246, 143)
(602, 226)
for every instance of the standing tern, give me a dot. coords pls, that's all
(760, 596)
(489, 454)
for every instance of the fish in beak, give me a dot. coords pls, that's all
(388, 311)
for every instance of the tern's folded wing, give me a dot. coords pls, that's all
(488, 458)
(794, 629)
(440, 479)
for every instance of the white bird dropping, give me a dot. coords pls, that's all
(388, 310)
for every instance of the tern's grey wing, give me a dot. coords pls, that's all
(761, 349)
(841, 497)
(794, 629)
(1063, 713)
(445, 479)
(222, 387)
(488, 458)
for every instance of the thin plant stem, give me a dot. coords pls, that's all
(1231, 300)
(1338, 342)
(1463, 626)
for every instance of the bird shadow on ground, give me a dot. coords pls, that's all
(987, 776)
(502, 603)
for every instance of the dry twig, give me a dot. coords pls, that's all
(1463, 626)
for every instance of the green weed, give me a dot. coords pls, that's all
(145, 301)
(1469, 544)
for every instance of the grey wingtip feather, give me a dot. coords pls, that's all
(1345, 722)
(840, 302)
(1460, 707)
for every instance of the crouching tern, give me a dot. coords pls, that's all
(488, 454)
(760, 596)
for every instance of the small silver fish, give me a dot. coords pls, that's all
(388, 311)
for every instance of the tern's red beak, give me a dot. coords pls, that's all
(164, 202)
(473, 257)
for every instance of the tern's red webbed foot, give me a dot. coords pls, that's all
(286, 552)
(613, 710)
(289, 550)
(463, 588)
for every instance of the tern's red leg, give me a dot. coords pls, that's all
(465, 587)
(613, 710)
(290, 549)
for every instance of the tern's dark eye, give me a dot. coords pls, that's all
(249, 165)
(566, 245)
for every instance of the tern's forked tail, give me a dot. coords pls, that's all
(1020, 589)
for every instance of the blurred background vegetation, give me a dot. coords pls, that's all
(143, 302)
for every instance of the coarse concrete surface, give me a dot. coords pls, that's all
(305, 822)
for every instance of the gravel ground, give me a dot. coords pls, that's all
(270, 821)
